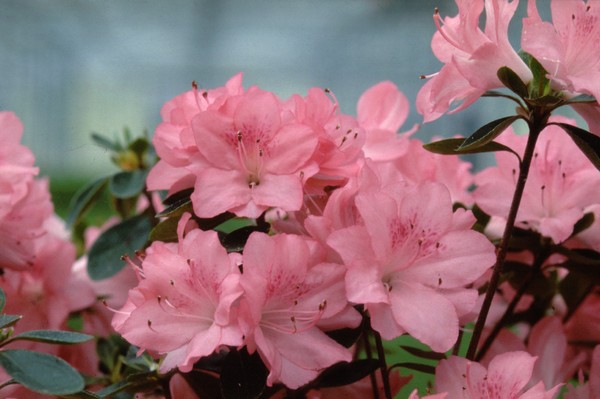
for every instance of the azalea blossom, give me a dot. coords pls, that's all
(505, 377)
(471, 56)
(561, 184)
(182, 306)
(256, 157)
(288, 294)
(409, 261)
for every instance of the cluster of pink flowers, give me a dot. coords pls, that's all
(343, 224)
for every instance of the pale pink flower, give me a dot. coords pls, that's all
(410, 260)
(381, 110)
(256, 157)
(182, 306)
(506, 377)
(471, 56)
(287, 294)
(568, 47)
(174, 140)
(562, 183)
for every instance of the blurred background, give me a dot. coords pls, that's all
(73, 67)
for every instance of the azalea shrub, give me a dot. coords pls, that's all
(278, 248)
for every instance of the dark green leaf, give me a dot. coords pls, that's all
(582, 224)
(423, 354)
(511, 80)
(345, 336)
(104, 258)
(452, 147)
(236, 240)
(165, 231)
(423, 368)
(113, 389)
(41, 372)
(83, 395)
(53, 337)
(582, 98)
(7, 320)
(139, 146)
(587, 142)
(178, 196)
(211, 223)
(127, 184)
(177, 208)
(2, 300)
(243, 376)
(574, 288)
(105, 143)
(487, 133)
(548, 100)
(83, 199)
(344, 373)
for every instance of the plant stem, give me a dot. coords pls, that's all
(372, 376)
(535, 127)
(383, 366)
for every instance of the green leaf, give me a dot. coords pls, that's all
(127, 184)
(177, 208)
(548, 100)
(113, 389)
(511, 80)
(244, 376)
(344, 373)
(106, 143)
(139, 146)
(165, 231)
(2, 300)
(584, 223)
(452, 147)
(236, 240)
(582, 98)
(540, 85)
(587, 142)
(53, 337)
(487, 133)
(345, 336)
(41, 372)
(104, 258)
(83, 200)
(7, 320)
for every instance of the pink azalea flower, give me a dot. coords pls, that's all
(590, 389)
(409, 261)
(24, 202)
(567, 48)
(505, 378)
(174, 140)
(256, 157)
(182, 306)
(471, 56)
(381, 110)
(561, 184)
(287, 293)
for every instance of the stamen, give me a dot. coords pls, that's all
(437, 19)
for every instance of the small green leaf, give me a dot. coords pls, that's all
(41, 372)
(452, 147)
(344, 373)
(487, 133)
(165, 231)
(345, 336)
(53, 337)
(7, 320)
(584, 223)
(540, 85)
(2, 300)
(104, 258)
(511, 80)
(587, 142)
(139, 146)
(83, 199)
(236, 240)
(127, 184)
(582, 98)
(177, 208)
(549, 100)
(106, 143)
(113, 389)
